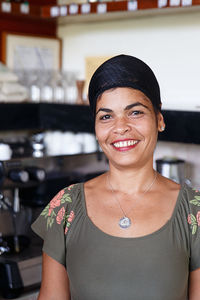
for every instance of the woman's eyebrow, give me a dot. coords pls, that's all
(108, 110)
(104, 109)
(135, 104)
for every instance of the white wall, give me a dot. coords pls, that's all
(170, 44)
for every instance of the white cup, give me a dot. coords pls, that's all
(5, 151)
(52, 142)
(89, 143)
(70, 143)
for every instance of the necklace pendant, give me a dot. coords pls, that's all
(125, 222)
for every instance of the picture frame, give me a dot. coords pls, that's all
(20, 51)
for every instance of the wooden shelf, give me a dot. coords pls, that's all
(20, 9)
(123, 14)
(97, 10)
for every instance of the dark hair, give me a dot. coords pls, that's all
(124, 71)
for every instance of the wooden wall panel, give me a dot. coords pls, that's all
(43, 2)
(39, 2)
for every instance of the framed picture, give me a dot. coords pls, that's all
(26, 52)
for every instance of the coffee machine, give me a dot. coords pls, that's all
(26, 185)
(20, 251)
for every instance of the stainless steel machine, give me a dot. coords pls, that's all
(26, 186)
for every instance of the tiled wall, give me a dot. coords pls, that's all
(188, 152)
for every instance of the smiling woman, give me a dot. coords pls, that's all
(130, 233)
(129, 126)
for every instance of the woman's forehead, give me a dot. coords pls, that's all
(121, 96)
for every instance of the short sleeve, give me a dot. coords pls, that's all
(53, 224)
(193, 220)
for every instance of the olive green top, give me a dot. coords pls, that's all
(101, 266)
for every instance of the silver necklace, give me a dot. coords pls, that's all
(125, 221)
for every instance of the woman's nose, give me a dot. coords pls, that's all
(121, 126)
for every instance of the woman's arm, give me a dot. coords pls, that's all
(55, 283)
(194, 285)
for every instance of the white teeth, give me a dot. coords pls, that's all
(125, 143)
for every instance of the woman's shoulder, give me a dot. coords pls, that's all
(65, 196)
(191, 201)
(190, 194)
(186, 202)
(94, 186)
(61, 210)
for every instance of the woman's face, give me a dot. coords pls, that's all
(126, 127)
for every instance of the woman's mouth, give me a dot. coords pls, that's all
(124, 145)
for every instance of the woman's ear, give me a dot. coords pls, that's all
(161, 122)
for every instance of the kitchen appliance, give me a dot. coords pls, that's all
(27, 185)
(172, 167)
(20, 258)
(20, 272)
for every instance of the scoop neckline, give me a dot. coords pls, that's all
(147, 236)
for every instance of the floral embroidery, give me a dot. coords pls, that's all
(196, 190)
(198, 218)
(189, 219)
(55, 201)
(193, 223)
(70, 218)
(193, 220)
(196, 201)
(61, 216)
(70, 187)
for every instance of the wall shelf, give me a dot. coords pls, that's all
(45, 116)
(97, 10)
(181, 126)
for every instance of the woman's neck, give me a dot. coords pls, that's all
(134, 180)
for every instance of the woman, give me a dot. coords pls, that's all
(130, 233)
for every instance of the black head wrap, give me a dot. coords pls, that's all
(124, 71)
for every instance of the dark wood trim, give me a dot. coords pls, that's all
(40, 2)
(3, 47)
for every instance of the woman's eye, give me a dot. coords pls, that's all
(105, 117)
(136, 113)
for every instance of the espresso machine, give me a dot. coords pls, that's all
(27, 184)
(20, 251)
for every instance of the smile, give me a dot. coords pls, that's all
(125, 145)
